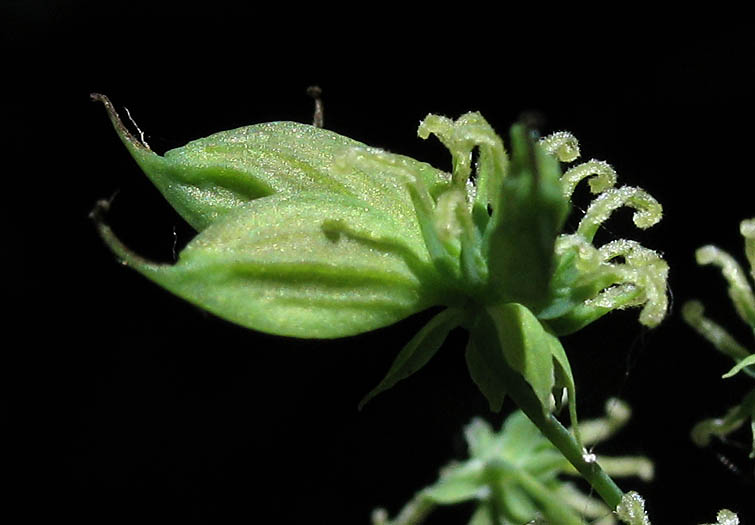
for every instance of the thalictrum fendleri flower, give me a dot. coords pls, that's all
(516, 475)
(305, 233)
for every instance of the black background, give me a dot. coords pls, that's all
(133, 404)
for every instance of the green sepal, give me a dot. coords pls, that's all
(509, 339)
(482, 442)
(526, 347)
(526, 447)
(527, 218)
(209, 177)
(457, 483)
(418, 351)
(522, 438)
(487, 367)
(310, 265)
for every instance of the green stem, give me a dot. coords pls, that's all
(523, 395)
